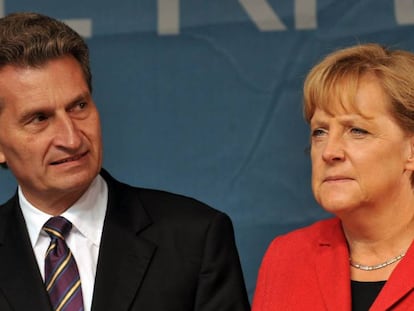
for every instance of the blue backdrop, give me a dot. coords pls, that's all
(203, 98)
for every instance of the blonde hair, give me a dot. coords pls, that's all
(337, 76)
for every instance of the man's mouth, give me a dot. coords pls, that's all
(70, 159)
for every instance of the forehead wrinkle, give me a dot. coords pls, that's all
(344, 118)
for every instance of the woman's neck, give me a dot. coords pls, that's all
(377, 238)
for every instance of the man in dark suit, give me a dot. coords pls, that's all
(106, 246)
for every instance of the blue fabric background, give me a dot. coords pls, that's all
(203, 98)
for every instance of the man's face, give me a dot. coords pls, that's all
(50, 133)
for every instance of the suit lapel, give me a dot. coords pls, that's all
(399, 284)
(20, 279)
(123, 257)
(332, 268)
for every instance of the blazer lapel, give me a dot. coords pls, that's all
(332, 268)
(123, 257)
(20, 279)
(399, 284)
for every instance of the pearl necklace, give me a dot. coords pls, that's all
(376, 267)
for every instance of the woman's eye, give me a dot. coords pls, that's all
(318, 132)
(358, 131)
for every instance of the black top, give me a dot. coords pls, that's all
(364, 294)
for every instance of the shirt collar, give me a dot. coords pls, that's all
(87, 214)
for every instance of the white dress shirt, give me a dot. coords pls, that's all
(87, 216)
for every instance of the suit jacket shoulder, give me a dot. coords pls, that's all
(307, 267)
(182, 251)
(328, 231)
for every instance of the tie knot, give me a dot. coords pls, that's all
(57, 227)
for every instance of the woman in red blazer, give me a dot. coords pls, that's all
(359, 103)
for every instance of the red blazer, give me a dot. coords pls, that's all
(308, 269)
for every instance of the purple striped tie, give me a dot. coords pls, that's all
(61, 273)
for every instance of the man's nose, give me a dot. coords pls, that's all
(67, 133)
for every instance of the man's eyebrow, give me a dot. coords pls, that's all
(47, 109)
(85, 96)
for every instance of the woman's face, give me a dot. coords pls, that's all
(360, 157)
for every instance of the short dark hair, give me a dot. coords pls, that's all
(31, 39)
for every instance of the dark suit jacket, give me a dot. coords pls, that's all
(159, 251)
(308, 269)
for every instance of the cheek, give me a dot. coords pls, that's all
(315, 179)
(21, 161)
(93, 126)
(316, 165)
(96, 137)
(11, 150)
(315, 184)
(23, 155)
